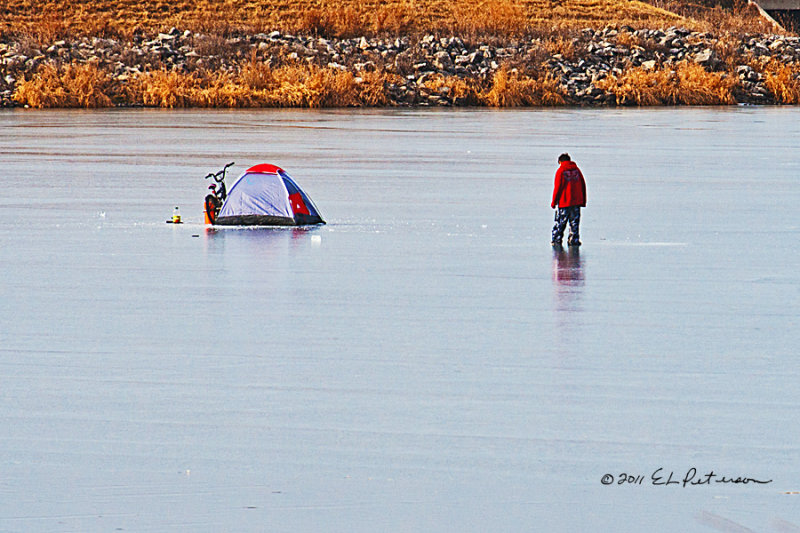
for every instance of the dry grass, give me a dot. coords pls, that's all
(310, 86)
(699, 87)
(641, 87)
(256, 75)
(164, 89)
(71, 86)
(727, 47)
(510, 89)
(719, 16)
(301, 85)
(687, 84)
(351, 20)
(507, 88)
(783, 81)
(256, 85)
(50, 19)
(221, 91)
(334, 21)
(562, 46)
(465, 91)
(629, 40)
(396, 19)
(372, 89)
(489, 17)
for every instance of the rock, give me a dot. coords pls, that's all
(760, 49)
(708, 58)
(368, 66)
(442, 60)
(598, 53)
(744, 71)
(760, 90)
(475, 57)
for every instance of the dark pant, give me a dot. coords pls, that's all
(564, 215)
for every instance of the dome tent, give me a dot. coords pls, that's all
(265, 195)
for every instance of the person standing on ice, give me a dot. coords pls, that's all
(569, 195)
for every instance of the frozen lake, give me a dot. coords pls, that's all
(424, 362)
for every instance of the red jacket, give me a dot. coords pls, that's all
(570, 187)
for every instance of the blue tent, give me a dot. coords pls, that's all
(265, 195)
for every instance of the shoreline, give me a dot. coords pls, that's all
(609, 67)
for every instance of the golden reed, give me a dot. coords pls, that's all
(685, 84)
(256, 85)
(309, 86)
(47, 20)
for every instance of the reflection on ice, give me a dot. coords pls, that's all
(567, 266)
(568, 280)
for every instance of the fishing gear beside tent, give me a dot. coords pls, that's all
(265, 195)
(217, 195)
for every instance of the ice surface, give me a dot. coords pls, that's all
(425, 362)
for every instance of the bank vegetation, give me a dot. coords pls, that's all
(498, 53)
